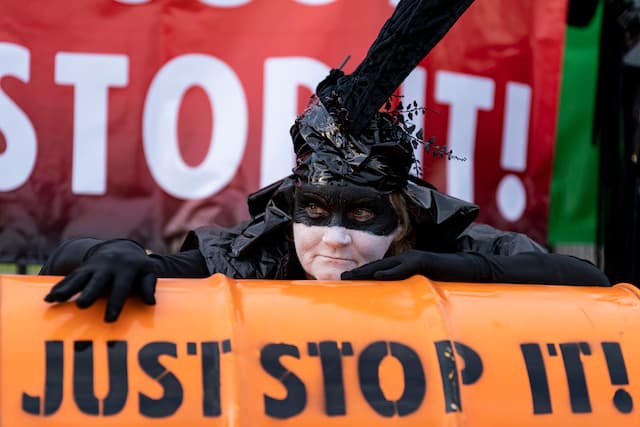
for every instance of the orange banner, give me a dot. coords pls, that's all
(217, 352)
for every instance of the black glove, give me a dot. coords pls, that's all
(68, 256)
(525, 267)
(118, 267)
(458, 267)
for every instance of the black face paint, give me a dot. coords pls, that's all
(348, 205)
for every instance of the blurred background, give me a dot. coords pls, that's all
(146, 118)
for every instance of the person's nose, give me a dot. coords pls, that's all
(336, 236)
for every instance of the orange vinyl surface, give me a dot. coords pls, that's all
(223, 352)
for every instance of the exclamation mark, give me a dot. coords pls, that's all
(511, 194)
(622, 400)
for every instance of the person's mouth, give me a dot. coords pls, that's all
(335, 259)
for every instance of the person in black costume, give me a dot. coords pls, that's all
(350, 210)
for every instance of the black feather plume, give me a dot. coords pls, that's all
(415, 27)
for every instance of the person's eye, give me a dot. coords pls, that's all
(315, 211)
(361, 214)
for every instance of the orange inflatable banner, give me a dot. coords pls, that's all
(223, 352)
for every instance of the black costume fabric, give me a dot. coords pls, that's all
(263, 247)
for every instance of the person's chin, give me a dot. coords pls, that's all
(329, 274)
(328, 268)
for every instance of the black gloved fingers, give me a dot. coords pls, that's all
(122, 285)
(148, 289)
(69, 286)
(367, 271)
(95, 287)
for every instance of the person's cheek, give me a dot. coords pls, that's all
(371, 247)
(305, 240)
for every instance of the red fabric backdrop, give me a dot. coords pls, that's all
(143, 119)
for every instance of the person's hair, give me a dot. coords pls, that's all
(405, 239)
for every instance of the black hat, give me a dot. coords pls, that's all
(342, 135)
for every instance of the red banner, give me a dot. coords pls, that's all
(143, 119)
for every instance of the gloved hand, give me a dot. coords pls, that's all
(525, 267)
(117, 267)
(459, 267)
(68, 256)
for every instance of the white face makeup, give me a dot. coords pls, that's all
(325, 252)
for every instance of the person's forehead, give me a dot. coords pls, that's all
(343, 191)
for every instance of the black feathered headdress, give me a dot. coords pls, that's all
(342, 135)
